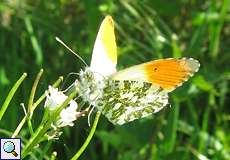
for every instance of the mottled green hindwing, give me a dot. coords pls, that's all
(121, 101)
(125, 101)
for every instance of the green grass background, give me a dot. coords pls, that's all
(196, 126)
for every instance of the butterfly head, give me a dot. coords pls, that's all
(89, 87)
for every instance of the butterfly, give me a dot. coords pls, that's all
(132, 93)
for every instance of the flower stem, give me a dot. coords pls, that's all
(32, 93)
(34, 140)
(88, 139)
(31, 101)
(42, 129)
(21, 124)
(18, 129)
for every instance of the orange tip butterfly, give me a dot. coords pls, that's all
(132, 93)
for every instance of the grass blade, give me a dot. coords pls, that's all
(11, 94)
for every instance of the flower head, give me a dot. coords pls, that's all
(69, 114)
(54, 98)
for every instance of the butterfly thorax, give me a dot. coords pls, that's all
(89, 87)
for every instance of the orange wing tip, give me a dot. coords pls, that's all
(171, 73)
(193, 66)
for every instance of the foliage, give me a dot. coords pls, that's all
(196, 126)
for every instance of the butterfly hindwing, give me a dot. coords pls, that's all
(125, 101)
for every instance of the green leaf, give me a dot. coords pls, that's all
(203, 84)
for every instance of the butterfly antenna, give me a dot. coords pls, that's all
(65, 81)
(60, 41)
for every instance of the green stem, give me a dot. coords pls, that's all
(216, 32)
(34, 40)
(31, 101)
(11, 94)
(18, 129)
(21, 124)
(30, 126)
(42, 129)
(88, 139)
(34, 140)
(32, 93)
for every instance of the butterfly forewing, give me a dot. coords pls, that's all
(167, 73)
(104, 57)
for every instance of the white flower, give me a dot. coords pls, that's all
(69, 114)
(54, 98)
